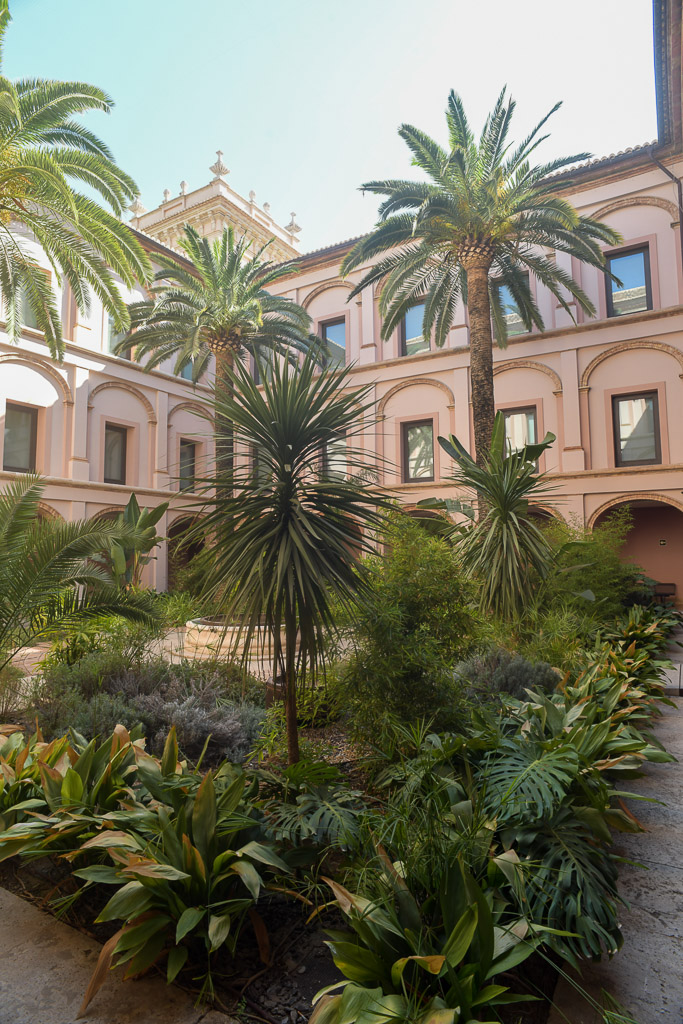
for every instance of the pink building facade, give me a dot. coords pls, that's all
(97, 427)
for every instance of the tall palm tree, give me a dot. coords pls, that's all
(484, 218)
(215, 306)
(291, 517)
(43, 149)
(50, 580)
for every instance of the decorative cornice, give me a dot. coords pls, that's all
(336, 282)
(42, 366)
(624, 499)
(413, 382)
(629, 346)
(626, 201)
(529, 364)
(194, 407)
(123, 386)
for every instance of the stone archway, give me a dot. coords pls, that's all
(655, 541)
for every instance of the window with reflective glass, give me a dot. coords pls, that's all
(186, 372)
(511, 315)
(334, 459)
(418, 451)
(520, 427)
(187, 464)
(334, 333)
(114, 337)
(636, 429)
(634, 292)
(115, 445)
(21, 431)
(412, 339)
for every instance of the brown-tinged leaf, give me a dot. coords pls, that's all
(262, 937)
(100, 973)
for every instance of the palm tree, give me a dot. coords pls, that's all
(215, 305)
(291, 517)
(49, 580)
(481, 221)
(42, 150)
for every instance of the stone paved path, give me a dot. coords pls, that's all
(646, 976)
(45, 967)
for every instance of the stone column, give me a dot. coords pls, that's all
(160, 475)
(78, 462)
(367, 326)
(573, 455)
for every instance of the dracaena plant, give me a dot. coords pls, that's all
(503, 547)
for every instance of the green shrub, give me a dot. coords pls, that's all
(210, 703)
(499, 671)
(589, 563)
(412, 627)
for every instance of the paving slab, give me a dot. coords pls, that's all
(646, 976)
(45, 968)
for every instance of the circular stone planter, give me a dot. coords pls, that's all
(209, 638)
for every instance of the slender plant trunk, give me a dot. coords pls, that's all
(481, 356)
(224, 430)
(290, 689)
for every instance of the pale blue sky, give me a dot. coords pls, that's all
(304, 96)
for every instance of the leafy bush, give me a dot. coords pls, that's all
(210, 703)
(589, 563)
(221, 732)
(499, 671)
(415, 623)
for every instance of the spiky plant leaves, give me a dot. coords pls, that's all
(49, 577)
(44, 151)
(216, 302)
(287, 533)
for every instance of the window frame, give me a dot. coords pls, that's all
(327, 473)
(119, 429)
(402, 335)
(128, 352)
(515, 410)
(33, 438)
(616, 436)
(629, 250)
(405, 455)
(332, 321)
(499, 283)
(186, 442)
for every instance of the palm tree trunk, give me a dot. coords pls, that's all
(290, 689)
(224, 431)
(481, 357)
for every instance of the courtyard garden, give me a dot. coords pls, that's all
(400, 808)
